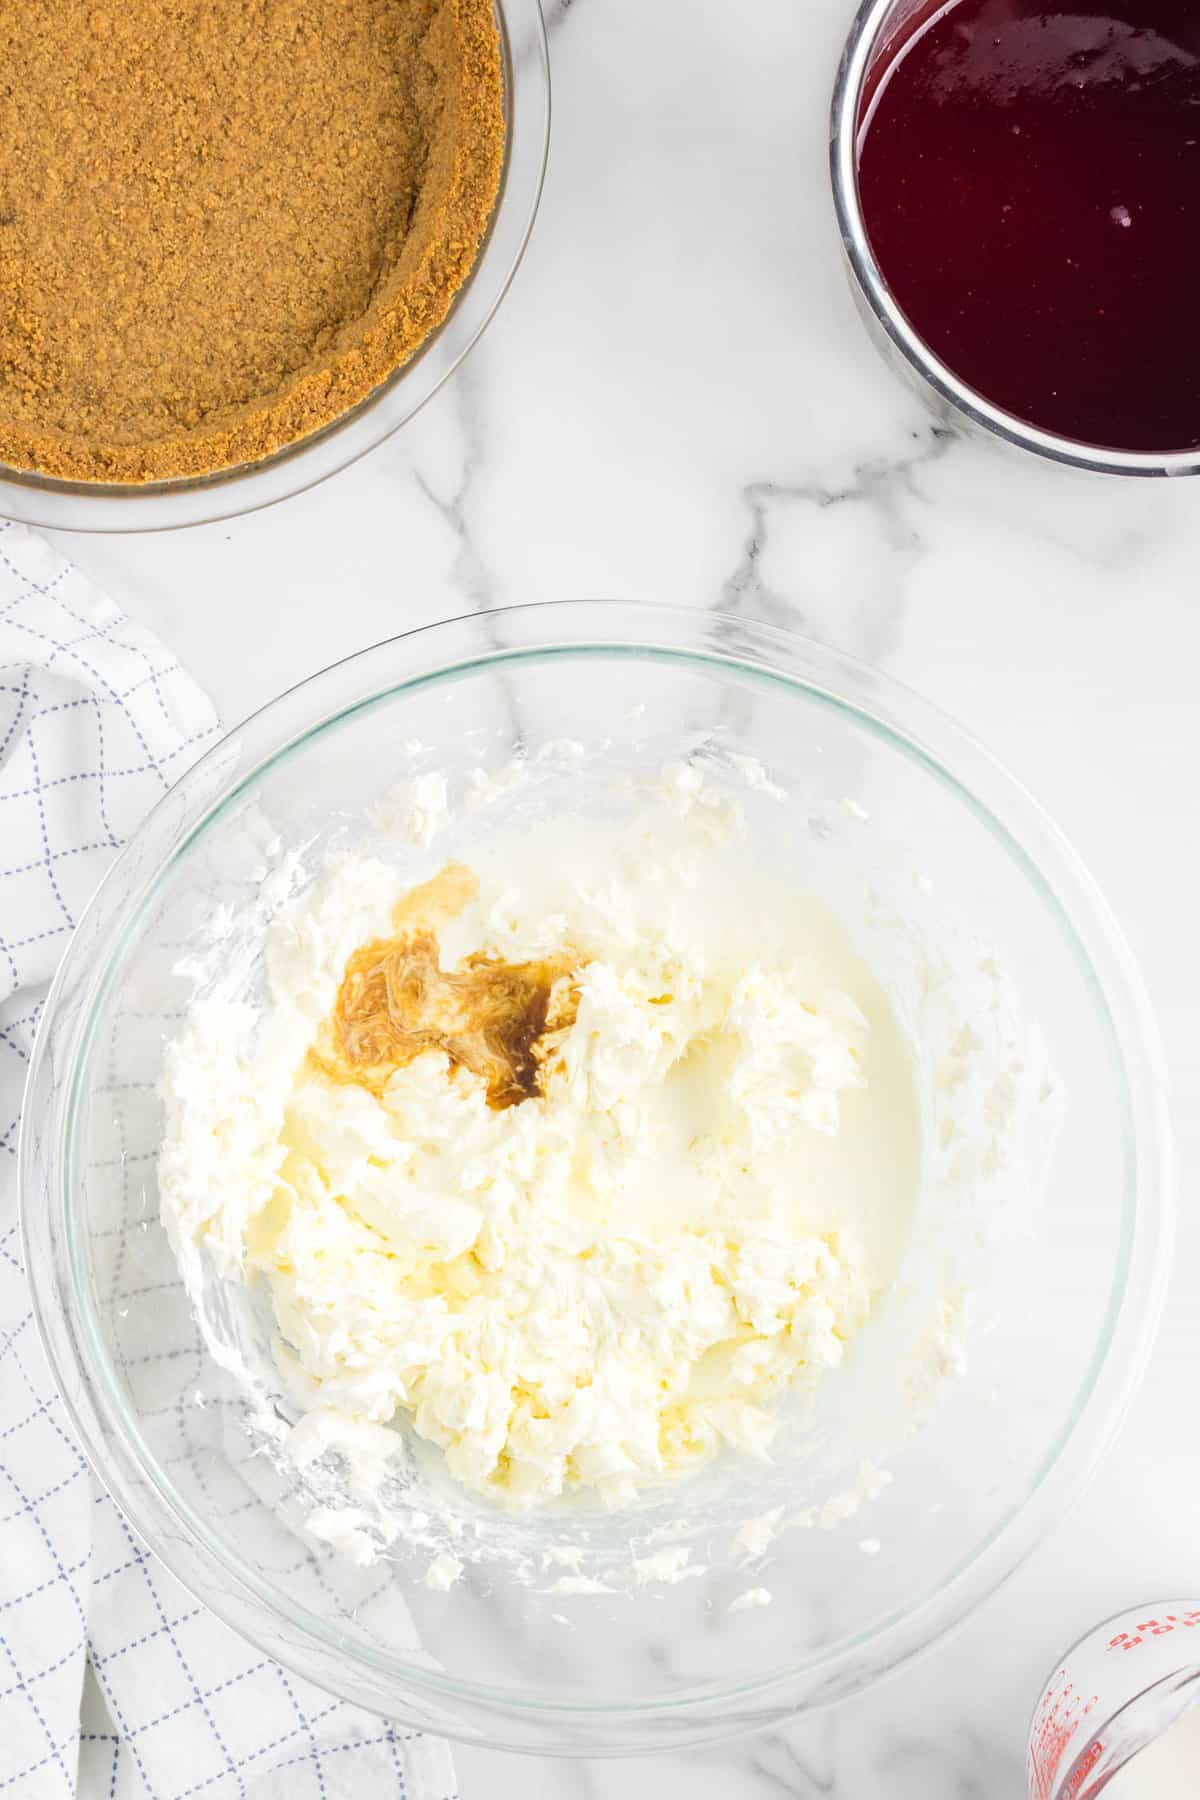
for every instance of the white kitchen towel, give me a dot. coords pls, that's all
(114, 1683)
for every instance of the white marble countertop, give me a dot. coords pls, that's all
(678, 401)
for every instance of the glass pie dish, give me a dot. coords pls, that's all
(165, 505)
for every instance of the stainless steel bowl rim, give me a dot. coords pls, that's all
(907, 343)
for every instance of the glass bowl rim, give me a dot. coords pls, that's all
(116, 508)
(892, 713)
(871, 284)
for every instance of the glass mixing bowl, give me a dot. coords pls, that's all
(1067, 1237)
(165, 505)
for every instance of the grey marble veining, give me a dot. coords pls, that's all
(867, 510)
(448, 482)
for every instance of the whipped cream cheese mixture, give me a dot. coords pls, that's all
(578, 1157)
